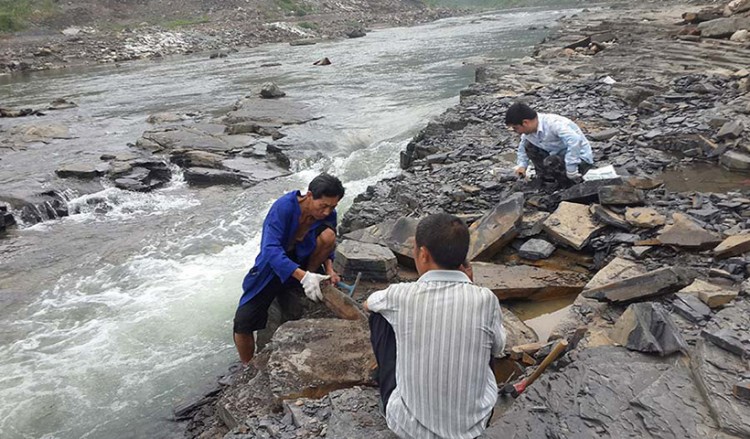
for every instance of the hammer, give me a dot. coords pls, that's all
(516, 389)
(350, 288)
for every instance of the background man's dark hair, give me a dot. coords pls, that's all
(325, 185)
(446, 237)
(519, 112)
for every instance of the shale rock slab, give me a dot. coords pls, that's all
(496, 229)
(527, 282)
(646, 327)
(572, 224)
(715, 296)
(733, 246)
(650, 284)
(686, 233)
(374, 261)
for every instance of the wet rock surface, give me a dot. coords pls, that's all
(374, 261)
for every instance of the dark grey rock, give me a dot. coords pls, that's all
(354, 414)
(198, 176)
(652, 283)
(610, 218)
(691, 308)
(375, 262)
(356, 33)
(646, 327)
(723, 27)
(535, 249)
(729, 340)
(621, 195)
(83, 171)
(736, 160)
(588, 191)
(269, 90)
(731, 130)
(497, 228)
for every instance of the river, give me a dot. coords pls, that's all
(112, 315)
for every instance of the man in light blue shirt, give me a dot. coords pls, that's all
(554, 144)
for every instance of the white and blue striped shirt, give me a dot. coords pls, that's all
(557, 135)
(446, 331)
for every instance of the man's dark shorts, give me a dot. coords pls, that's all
(253, 315)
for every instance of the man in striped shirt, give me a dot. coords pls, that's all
(434, 340)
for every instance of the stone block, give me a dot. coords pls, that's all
(312, 357)
(83, 171)
(536, 249)
(588, 191)
(729, 340)
(686, 233)
(617, 269)
(691, 308)
(650, 284)
(397, 235)
(374, 261)
(731, 130)
(733, 246)
(609, 217)
(723, 27)
(714, 296)
(742, 390)
(497, 228)
(735, 160)
(527, 282)
(644, 217)
(646, 327)
(572, 224)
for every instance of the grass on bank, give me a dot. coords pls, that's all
(183, 22)
(499, 4)
(16, 15)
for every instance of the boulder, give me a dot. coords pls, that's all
(141, 175)
(527, 282)
(198, 176)
(646, 327)
(731, 130)
(686, 233)
(497, 228)
(736, 6)
(374, 261)
(588, 191)
(270, 111)
(691, 308)
(733, 246)
(354, 414)
(159, 118)
(723, 27)
(735, 160)
(644, 217)
(356, 33)
(40, 132)
(182, 138)
(397, 235)
(609, 217)
(715, 296)
(312, 357)
(322, 62)
(650, 284)
(196, 158)
(741, 36)
(269, 90)
(84, 171)
(621, 195)
(612, 392)
(571, 224)
(61, 104)
(536, 249)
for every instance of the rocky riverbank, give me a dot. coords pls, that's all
(90, 33)
(658, 330)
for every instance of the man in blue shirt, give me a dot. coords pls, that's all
(299, 237)
(555, 144)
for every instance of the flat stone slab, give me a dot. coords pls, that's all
(588, 191)
(691, 308)
(715, 296)
(572, 224)
(198, 176)
(610, 392)
(736, 160)
(527, 282)
(686, 233)
(374, 261)
(497, 228)
(618, 269)
(536, 249)
(255, 169)
(644, 217)
(609, 217)
(274, 111)
(646, 327)
(397, 235)
(621, 195)
(733, 246)
(312, 357)
(650, 284)
(85, 171)
(183, 137)
(723, 27)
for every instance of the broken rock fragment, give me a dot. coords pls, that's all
(653, 283)
(686, 233)
(497, 228)
(714, 296)
(644, 217)
(572, 224)
(646, 327)
(374, 261)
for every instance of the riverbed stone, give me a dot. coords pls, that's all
(182, 138)
(713, 295)
(397, 235)
(527, 282)
(588, 191)
(733, 246)
(572, 224)
(493, 231)
(375, 262)
(731, 130)
(312, 357)
(644, 217)
(736, 160)
(274, 111)
(686, 233)
(254, 169)
(723, 27)
(646, 327)
(536, 249)
(270, 90)
(610, 391)
(650, 284)
(198, 176)
(84, 171)
(621, 195)
(197, 158)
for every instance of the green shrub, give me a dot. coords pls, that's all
(15, 15)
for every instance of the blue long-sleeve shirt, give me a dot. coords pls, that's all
(279, 229)
(557, 135)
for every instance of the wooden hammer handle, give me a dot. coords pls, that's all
(557, 349)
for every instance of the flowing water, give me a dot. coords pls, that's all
(110, 316)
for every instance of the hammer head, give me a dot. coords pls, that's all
(513, 389)
(350, 288)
